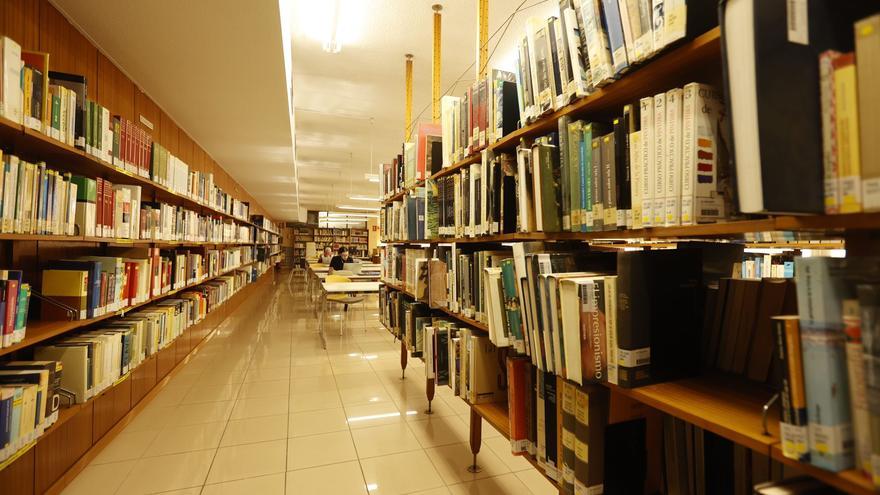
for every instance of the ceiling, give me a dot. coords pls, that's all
(222, 72)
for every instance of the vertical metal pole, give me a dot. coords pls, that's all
(483, 38)
(407, 119)
(435, 80)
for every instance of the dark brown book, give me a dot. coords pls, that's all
(771, 302)
(747, 320)
(730, 324)
(712, 336)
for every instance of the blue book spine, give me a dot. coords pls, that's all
(821, 289)
(616, 43)
(788, 269)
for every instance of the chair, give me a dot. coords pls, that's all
(346, 300)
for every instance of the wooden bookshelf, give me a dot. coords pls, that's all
(35, 146)
(42, 330)
(79, 429)
(112, 241)
(496, 414)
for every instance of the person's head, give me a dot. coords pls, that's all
(328, 251)
(343, 253)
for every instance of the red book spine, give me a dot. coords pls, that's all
(109, 203)
(99, 209)
(11, 306)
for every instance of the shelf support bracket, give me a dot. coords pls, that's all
(764, 411)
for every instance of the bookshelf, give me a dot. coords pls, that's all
(53, 459)
(728, 406)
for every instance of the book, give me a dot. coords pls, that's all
(867, 45)
(846, 125)
(68, 287)
(831, 185)
(767, 47)
(869, 303)
(820, 292)
(672, 146)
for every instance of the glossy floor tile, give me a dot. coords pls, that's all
(263, 408)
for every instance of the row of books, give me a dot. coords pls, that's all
(92, 286)
(831, 364)
(82, 365)
(662, 163)
(15, 298)
(835, 160)
(266, 224)
(57, 104)
(39, 200)
(684, 314)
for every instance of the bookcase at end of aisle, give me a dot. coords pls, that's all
(742, 412)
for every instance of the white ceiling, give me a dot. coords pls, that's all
(218, 67)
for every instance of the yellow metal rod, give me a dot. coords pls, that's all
(407, 119)
(483, 38)
(435, 81)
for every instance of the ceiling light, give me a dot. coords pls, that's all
(372, 177)
(332, 44)
(361, 197)
(361, 208)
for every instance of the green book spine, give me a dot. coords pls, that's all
(551, 206)
(575, 136)
(511, 304)
(564, 176)
(56, 112)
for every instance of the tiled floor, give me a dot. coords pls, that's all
(262, 409)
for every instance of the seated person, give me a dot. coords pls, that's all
(339, 261)
(326, 256)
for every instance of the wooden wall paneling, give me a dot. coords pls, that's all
(121, 399)
(164, 361)
(146, 107)
(184, 146)
(124, 89)
(60, 448)
(55, 34)
(20, 20)
(85, 59)
(143, 379)
(105, 85)
(169, 133)
(18, 477)
(103, 415)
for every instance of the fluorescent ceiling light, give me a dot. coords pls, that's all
(372, 177)
(332, 44)
(361, 197)
(362, 208)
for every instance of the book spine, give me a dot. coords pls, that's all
(855, 368)
(672, 151)
(869, 304)
(635, 161)
(867, 36)
(829, 132)
(846, 115)
(569, 425)
(660, 169)
(823, 346)
(793, 426)
(616, 42)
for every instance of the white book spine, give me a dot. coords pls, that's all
(629, 41)
(689, 155)
(658, 26)
(659, 203)
(597, 43)
(829, 136)
(673, 157)
(646, 114)
(611, 327)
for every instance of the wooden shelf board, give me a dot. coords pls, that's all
(113, 240)
(727, 406)
(400, 194)
(850, 481)
(826, 223)
(455, 167)
(41, 330)
(496, 414)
